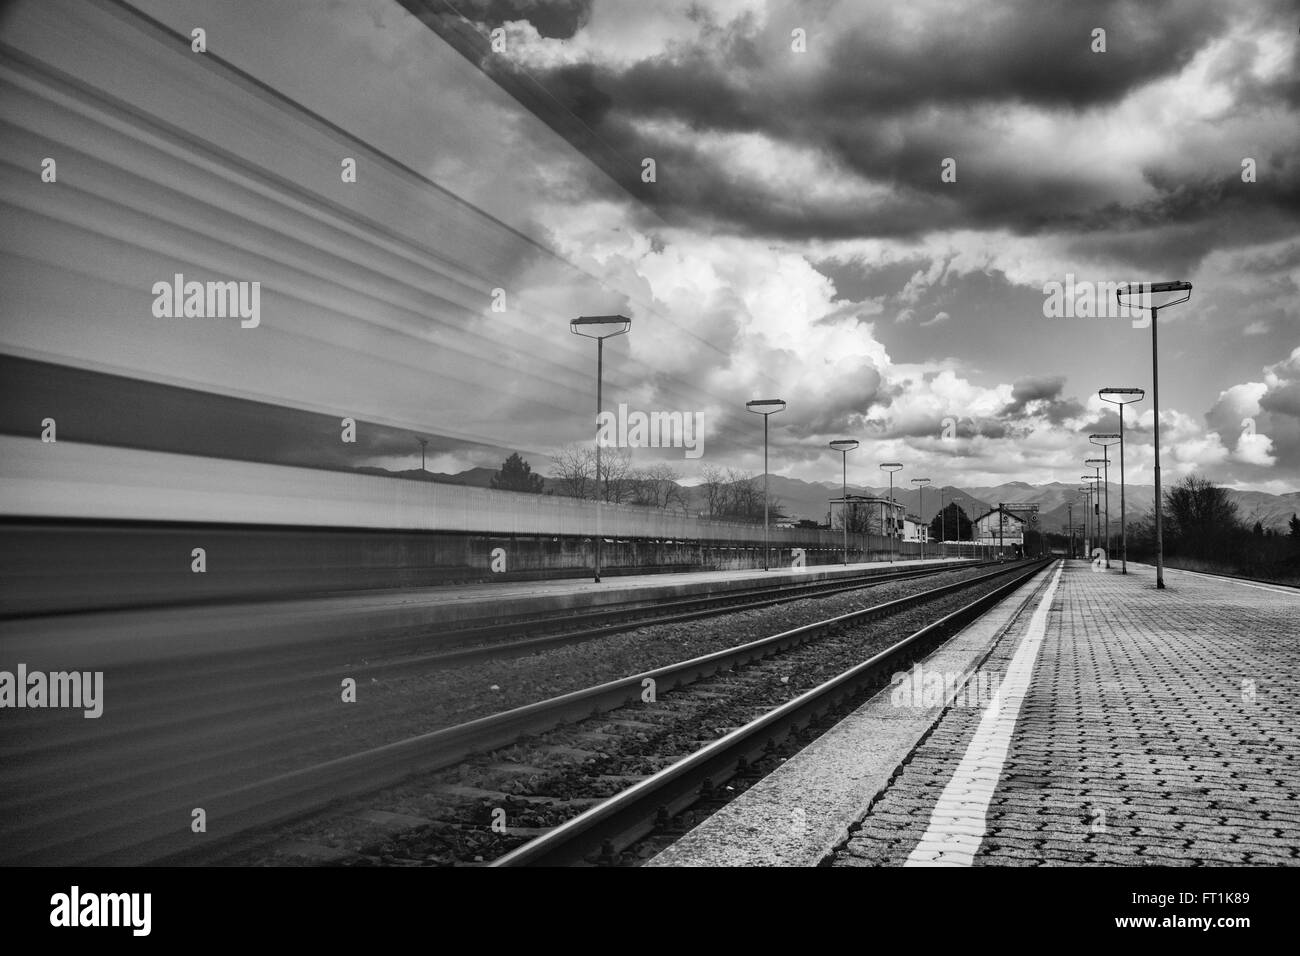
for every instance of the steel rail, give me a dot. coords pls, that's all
(630, 814)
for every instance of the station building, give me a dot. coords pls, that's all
(995, 527)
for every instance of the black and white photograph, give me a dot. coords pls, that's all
(763, 435)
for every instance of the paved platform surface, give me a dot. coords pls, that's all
(797, 816)
(1131, 727)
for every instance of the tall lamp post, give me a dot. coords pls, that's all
(1105, 440)
(920, 487)
(1103, 463)
(1086, 500)
(844, 446)
(1122, 397)
(1094, 510)
(1069, 523)
(891, 467)
(601, 327)
(765, 407)
(1145, 290)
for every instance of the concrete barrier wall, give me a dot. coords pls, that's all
(77, 566)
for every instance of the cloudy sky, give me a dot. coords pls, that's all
(799, 214)
(800, 240)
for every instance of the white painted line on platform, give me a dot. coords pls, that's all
(959, 820)
(1244, 584)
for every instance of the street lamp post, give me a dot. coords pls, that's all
(891, 467)
(1145, 290)
(1086, 501)
(1124, 396)
(1105, 440)
(604, 327)
(1094, 508)
(765, 407)
(1069, 523)
(1104, 463)
(920, 487)
(844, 446)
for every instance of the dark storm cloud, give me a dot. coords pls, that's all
(1284, 400)
(1024, 51)
(1043, 393)
(882, 100)
(1033, 389)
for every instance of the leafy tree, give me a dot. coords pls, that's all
(517, 475)
(952, 521)
(1202, 518)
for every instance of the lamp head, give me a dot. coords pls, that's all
(1144, 291)
(1122, 396)
(844, 444)
(600, 326)
(766, 406)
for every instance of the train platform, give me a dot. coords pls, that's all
(1094, 720)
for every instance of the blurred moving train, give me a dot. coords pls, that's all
(127, 158)
(89, 526)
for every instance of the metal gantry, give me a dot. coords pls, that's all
(1015, 509)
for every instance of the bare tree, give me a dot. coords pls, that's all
(617, 477)
(863, 517)
(574, 467)
(716, 493)
(746, 502)
(657, 486)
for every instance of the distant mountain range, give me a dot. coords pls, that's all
(810, 499)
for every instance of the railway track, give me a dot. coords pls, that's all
(648, 742)
(183, 726)
(521, 635)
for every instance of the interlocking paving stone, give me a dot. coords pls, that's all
(1159, 728)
